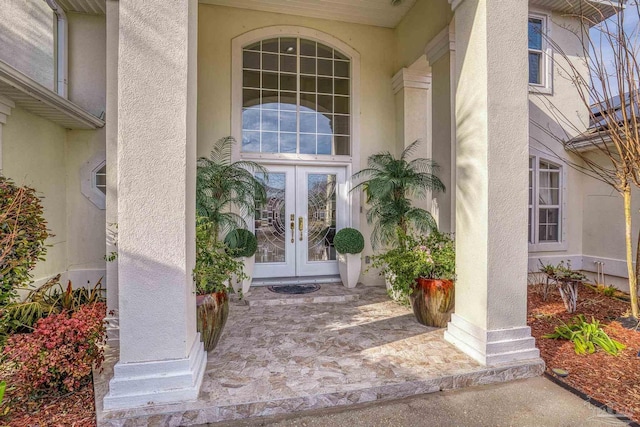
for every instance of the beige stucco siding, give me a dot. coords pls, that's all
(27, 39)
(87, 61)
(85, 222)
(376, 46)
(219, 25)
(34, 155)
(421, 24)
(544, 111)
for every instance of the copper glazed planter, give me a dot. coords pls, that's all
(432, 301)
(211, 316)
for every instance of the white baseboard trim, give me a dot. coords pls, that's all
(493, 347)
(612, 266)
(157, 382)
(535, 260)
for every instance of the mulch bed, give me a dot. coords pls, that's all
(75, 409)
(611, 380)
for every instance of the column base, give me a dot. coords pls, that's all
(491, 347)
(157, 382)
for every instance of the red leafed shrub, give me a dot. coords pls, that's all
(59, 354)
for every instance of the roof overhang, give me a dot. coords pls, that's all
(37, 99)
(595, 10)
(90, 7)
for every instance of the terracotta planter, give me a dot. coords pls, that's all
(432, 301)
(211, 316)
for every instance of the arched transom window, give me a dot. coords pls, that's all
(296, 98)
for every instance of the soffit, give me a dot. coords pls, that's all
(43, 102)
(380, 13)
(594, 9)
(91, 7)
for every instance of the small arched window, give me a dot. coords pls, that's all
(296, 98)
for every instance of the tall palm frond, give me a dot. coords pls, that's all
(228, 192)
(390, 184)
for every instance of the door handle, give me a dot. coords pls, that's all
(300, 225)
(293, 227)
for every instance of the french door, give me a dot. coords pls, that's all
(295, 228)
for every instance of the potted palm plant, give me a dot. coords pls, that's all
(242, 244)
(349, 244)
(228, 193)
(390, 185)
(214, 266)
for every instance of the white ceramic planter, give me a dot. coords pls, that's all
(249, 262)
(349, 267)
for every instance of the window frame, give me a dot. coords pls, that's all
(88, 182)
(237, 45)
(546, 56)
(300, 92)
(535, 245)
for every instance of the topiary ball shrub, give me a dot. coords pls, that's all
(23, 231)
(349, 241)
(241, 242)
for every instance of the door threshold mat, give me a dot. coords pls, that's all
(294, 289)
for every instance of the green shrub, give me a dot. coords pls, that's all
(586, 336)
(23, 231)
(214, 264)
(241, 242)
(349, 241)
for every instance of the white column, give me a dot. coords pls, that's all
(161, 356)
(6, 105)
(491, 197)
(440, 53)
(111, 217)
(412, 89)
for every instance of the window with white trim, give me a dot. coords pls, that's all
(296, 98)
(545, 201)
(539, 53)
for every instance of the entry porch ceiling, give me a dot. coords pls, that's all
(380, 13)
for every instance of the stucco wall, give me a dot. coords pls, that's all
(85, 222)
(421, 24)
(219, 25)
(34, 154)
(604, 227)
(27, 39)
(543, 112)
(87, 61)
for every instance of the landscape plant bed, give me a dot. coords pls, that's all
(72, 409)
(610, 380)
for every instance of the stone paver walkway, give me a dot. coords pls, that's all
(283, 358)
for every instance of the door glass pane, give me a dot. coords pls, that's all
(321, 215)
(270, 221)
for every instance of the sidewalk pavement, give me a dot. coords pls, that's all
(535, 402)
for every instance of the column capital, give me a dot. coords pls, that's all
(441, 44)
(410, 78)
